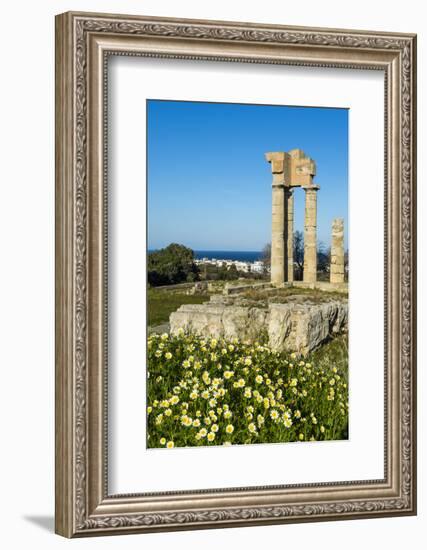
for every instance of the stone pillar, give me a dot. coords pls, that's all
(278, 235)
(279, 162)
(310, 234)
(290, 235)
(337, 251)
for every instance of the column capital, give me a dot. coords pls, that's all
(311, 187)
(277, 161)
(338, 222)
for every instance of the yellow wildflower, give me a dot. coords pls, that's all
(274, 414)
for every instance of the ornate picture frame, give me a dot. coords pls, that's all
(84, 42)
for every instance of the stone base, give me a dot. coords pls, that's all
(289, 327)
(237, 289)
(337, 278)
(322, 285)
(318, 285)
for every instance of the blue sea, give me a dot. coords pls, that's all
(239, 255)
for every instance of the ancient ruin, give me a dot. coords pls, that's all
(296, 322)
(290, 170)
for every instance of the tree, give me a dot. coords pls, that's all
(346, 265)
(171, 265)
(223, 272)
(232, 273)
(266, 257)
(323, 260)
(298, 255)
(323, 256)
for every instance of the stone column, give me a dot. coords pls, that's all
(278, 235)
(310, 234)
(289, 197)
(279, 161)
(337, 251)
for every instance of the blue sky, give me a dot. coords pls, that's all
(209, 185)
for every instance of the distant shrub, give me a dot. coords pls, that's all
(171, 265)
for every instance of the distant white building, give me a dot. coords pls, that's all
(257, 267)
(244, 267)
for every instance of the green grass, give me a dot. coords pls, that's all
(333, 354)
(161, 303)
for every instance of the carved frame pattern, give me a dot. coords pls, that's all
(83, 506)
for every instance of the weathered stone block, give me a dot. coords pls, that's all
(290, 327)
(304, 327)
(200, 287)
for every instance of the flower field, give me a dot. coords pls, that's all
(216, 392)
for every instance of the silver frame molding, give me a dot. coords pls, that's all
(83, 43)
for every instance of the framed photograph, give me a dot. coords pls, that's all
(235, 274)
